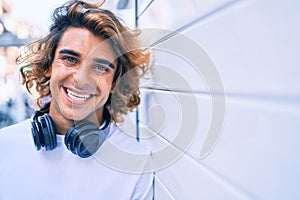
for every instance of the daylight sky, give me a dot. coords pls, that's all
(36, 12)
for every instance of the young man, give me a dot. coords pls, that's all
(89, 67)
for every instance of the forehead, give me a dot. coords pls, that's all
(86, 43)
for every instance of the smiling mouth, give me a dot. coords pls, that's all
(77, 97)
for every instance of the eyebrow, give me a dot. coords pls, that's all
(71, 52)
(105, 62)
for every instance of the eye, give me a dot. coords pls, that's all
(70, 60)
(101, 68)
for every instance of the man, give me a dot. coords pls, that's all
(89, 67)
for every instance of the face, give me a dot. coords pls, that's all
(81, 76)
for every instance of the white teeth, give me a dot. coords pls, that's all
(78, 97)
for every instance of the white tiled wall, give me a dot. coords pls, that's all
(254, 47)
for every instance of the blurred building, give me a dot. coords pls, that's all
(14, 35)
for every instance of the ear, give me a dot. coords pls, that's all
(49, 72)
(113, 85)
(112, 90)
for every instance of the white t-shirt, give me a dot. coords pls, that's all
(26, 173)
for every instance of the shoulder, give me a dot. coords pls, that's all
(16, 138)
(15, 129)
(126, 141)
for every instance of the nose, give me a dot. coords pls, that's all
(83, 78)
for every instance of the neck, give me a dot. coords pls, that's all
(61, 124)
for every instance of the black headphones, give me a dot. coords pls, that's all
(83, 138)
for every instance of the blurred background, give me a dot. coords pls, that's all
(20, 23)
(254, 47)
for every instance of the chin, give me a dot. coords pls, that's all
(80, 116)
(74, 115)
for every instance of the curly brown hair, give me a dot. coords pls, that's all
(36, 59)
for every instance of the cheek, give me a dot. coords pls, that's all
(105, 86)
(60, 72)
(55, 77)
(105, 82)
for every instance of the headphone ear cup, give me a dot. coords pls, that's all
(84, 139)
(37, 138)
(48, 132)
(43, 132)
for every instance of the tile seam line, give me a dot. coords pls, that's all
(220, 179)
(193, 22)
